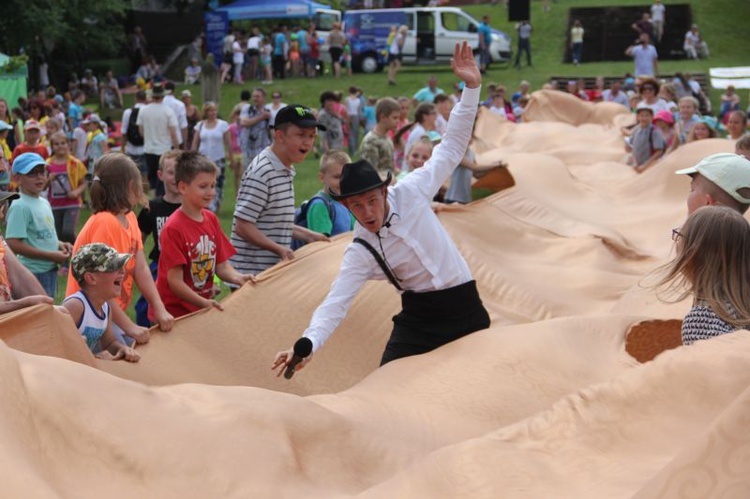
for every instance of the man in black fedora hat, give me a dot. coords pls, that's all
(263, 224)
(398, 237)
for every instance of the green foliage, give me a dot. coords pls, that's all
(46, 26)
(15, 63)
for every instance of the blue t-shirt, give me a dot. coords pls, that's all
(278, 45)
(30, 218)
(427, 95)
(485, 31)
(369, 114)
(302, 41)
(75, 113)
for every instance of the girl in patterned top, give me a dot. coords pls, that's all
(712, 264)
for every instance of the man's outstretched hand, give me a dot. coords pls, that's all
(464, 66)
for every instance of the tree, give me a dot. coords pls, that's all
(66, 31)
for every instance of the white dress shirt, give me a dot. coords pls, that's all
(415, 245)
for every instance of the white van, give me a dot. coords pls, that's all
(432, 36)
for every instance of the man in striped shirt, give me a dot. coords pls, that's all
(263, 224)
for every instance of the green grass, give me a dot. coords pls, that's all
(722, 24)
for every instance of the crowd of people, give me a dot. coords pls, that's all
(56, 155)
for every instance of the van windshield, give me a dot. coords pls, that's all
(453, 21)
(324, 21)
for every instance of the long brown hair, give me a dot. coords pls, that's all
(422, 110)
(713, 263)
(116, 184)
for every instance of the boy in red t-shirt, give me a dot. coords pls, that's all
(32, 141)
(193, 246)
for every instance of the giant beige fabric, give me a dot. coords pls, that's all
(546, 403)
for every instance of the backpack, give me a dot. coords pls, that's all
(300, 216)
(133, 134)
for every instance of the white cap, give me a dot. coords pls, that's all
(731, 172)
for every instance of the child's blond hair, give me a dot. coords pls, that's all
(713, 263)
(334, 156)
(116, 182)
(171, 154)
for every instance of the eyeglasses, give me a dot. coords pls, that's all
(643, 89)
(676, 234)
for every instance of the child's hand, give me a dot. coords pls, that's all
(28, 301)
(317, 237)
(213, 304)
(66, 248)
(126, 353)
(60, 257)
(139, 334)
(286, 254)
(243, 278)
(164, 319)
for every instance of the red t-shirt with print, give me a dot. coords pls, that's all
(197, 247)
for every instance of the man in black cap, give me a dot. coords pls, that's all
(263, 224)
(398, 237)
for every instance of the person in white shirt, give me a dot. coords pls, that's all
(158, 126)
(657, 19)
(615, 94)
(694, 46)
(180, 111)
(398, 237)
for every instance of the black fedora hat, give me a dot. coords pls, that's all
(359, 177)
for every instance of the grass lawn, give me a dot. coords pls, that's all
(722, 24)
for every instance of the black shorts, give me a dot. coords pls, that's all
(336, 53)
(253, 52)
(394, 57)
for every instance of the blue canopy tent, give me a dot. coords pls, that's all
(271, 9)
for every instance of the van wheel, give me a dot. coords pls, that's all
(369, 63)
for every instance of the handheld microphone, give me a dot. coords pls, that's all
(302, 349)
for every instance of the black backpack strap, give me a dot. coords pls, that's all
(386, 270)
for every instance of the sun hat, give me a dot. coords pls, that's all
(97, 257)
(299, 115)
(730, 172)
(186, 93)
(6, 195)
(642, 106)
(92, 118)
(4, 126)
(26, 162)
(664, 116)
(32, 124)
(357, 178)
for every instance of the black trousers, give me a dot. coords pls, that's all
(432, 319)
(152, 165)
(524, 45)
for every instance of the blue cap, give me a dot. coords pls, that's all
(26, 162)
(4, 126)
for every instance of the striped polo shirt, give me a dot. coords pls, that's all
(266, 199)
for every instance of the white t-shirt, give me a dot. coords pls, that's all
(644, 59)
(253, 43)
(79, 135)
(238, 56)
(179, 109)
(274, 112)
(352, 106)
(156, 119)
(576, 34)
(657, 12)
(212, 140)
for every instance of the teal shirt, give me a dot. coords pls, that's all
(30, 218)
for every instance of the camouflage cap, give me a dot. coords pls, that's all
(97, 257)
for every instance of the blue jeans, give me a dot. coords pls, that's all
(577, 52)
(48, 280)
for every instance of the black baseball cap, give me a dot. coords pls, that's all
(299, 115)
